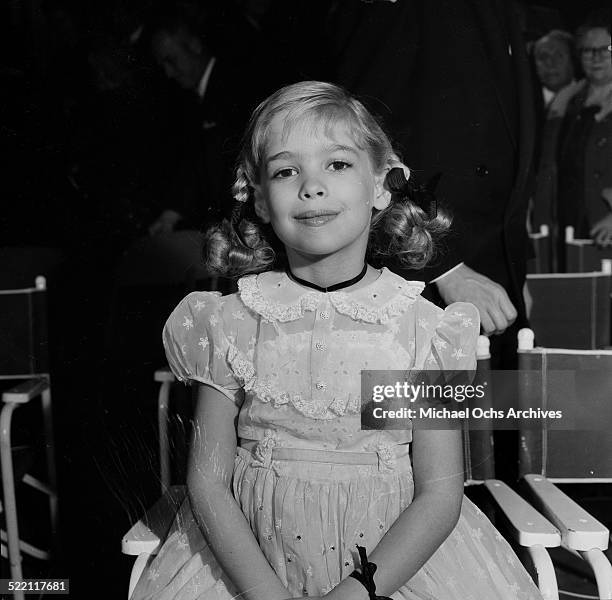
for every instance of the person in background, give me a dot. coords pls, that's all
(553, 55)
(556, 64)
(577, 181)
(215, 70)
(585, 149)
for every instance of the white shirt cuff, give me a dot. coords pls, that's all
(447, 273)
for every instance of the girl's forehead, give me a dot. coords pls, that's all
(312, 127)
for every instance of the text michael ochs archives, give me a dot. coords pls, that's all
(459, 399)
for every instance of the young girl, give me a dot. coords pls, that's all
(283, 484)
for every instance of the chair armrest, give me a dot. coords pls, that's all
(24, 392)
(529, 527)
(146, 535)
(164, 374)
(579, 530)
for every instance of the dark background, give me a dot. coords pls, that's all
(88, 128)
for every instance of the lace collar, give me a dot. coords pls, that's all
(276, 298)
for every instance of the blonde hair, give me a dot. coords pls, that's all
(246, 245)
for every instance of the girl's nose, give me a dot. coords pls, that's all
(312, 187)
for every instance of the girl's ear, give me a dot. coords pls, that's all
(261, 207)
(382, 196)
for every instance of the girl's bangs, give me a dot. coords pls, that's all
(315, 119)
(326, 119)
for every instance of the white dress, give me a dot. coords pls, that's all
(291, 358)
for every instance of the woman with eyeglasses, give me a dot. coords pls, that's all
(584, 160)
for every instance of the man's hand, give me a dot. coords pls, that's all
(466, 285)
(165, 223)
(602, 231)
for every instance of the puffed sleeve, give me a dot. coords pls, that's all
(197, 347)
(453, 344)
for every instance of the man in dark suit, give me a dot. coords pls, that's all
(222, 86)
(452, 81)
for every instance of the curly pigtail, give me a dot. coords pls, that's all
(240, 245)
(409, 228)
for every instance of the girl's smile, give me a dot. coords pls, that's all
(316, 218)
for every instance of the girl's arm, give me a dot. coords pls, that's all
(425, 524)
(209, 476)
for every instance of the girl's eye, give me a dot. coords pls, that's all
(339, 165)
(284, 173)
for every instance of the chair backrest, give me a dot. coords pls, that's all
(478, 453)
(582, 255)
(571, 310)
(577, 447)
(541, 244)
(23, 331)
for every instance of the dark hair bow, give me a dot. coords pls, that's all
(366, 577)
(423, 196)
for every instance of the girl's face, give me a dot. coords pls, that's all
(317, 190)
(595, 56)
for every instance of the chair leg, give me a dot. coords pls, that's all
(603, 571)
(164, 454)
(8, 487)
(51, 469)
(139, 564)
(547, 580)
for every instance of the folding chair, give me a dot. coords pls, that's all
(24, 361)
(571, 310)
(579, 383)
(144, 538)
(583, 256)
(541, 244)
(529, 528)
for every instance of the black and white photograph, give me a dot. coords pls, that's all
(306, 299)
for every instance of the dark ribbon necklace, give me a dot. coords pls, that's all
(331, 288)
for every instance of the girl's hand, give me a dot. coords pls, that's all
(602, 231)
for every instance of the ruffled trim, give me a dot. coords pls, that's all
(245, 371)
(266, 392)
(360, 311)
(253, 297)
(396, 293)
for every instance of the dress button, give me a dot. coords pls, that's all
(482, 171)
(601, 142)
(324, 314)
(320, 385)
(596, 174)
(320, 346)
